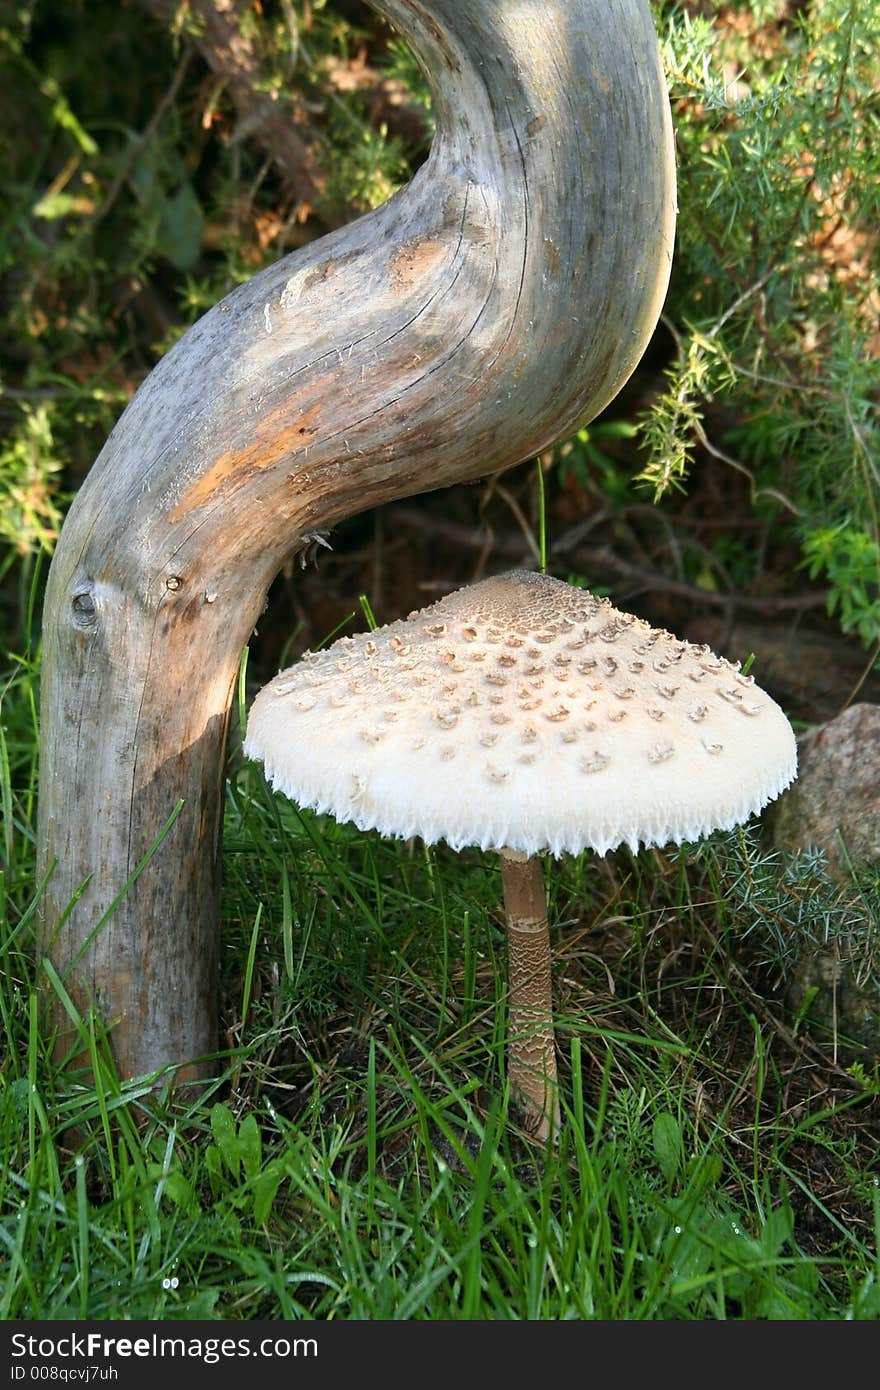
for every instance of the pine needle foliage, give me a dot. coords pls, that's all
(774, 303)
(354, 1156)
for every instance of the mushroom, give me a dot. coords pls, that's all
(524, 715)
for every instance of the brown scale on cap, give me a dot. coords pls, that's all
(535, 654)
(575, 726)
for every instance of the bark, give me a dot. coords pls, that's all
(486, 311)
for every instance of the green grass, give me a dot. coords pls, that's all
(354, 1156)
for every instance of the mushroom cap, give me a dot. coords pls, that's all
(523, 713)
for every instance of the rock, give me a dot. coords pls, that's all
(834, 806)
(837, 793)
(839, 1011)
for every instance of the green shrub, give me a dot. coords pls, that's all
(774, 302)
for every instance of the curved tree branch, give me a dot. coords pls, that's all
(484, 312)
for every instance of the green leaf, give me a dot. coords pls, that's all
(214, 1165)
(778, 1229)
(668, 1144)
(180, 1191)
(181, 221)
(225, 1137)
(54, 206)
(250, 1145)
(705, 1172)
(265, 1187)
(65, 117)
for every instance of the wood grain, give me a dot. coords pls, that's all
(496, 303)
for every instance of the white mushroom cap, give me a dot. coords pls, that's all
(525, 713)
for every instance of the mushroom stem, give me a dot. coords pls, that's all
(531, 1048)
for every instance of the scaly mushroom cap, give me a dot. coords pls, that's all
(525, 713)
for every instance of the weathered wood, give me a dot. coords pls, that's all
(492, 306)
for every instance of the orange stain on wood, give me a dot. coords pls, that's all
(415, 259)
(274, 438)
(551, 256)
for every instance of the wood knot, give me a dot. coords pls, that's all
(85, 610)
